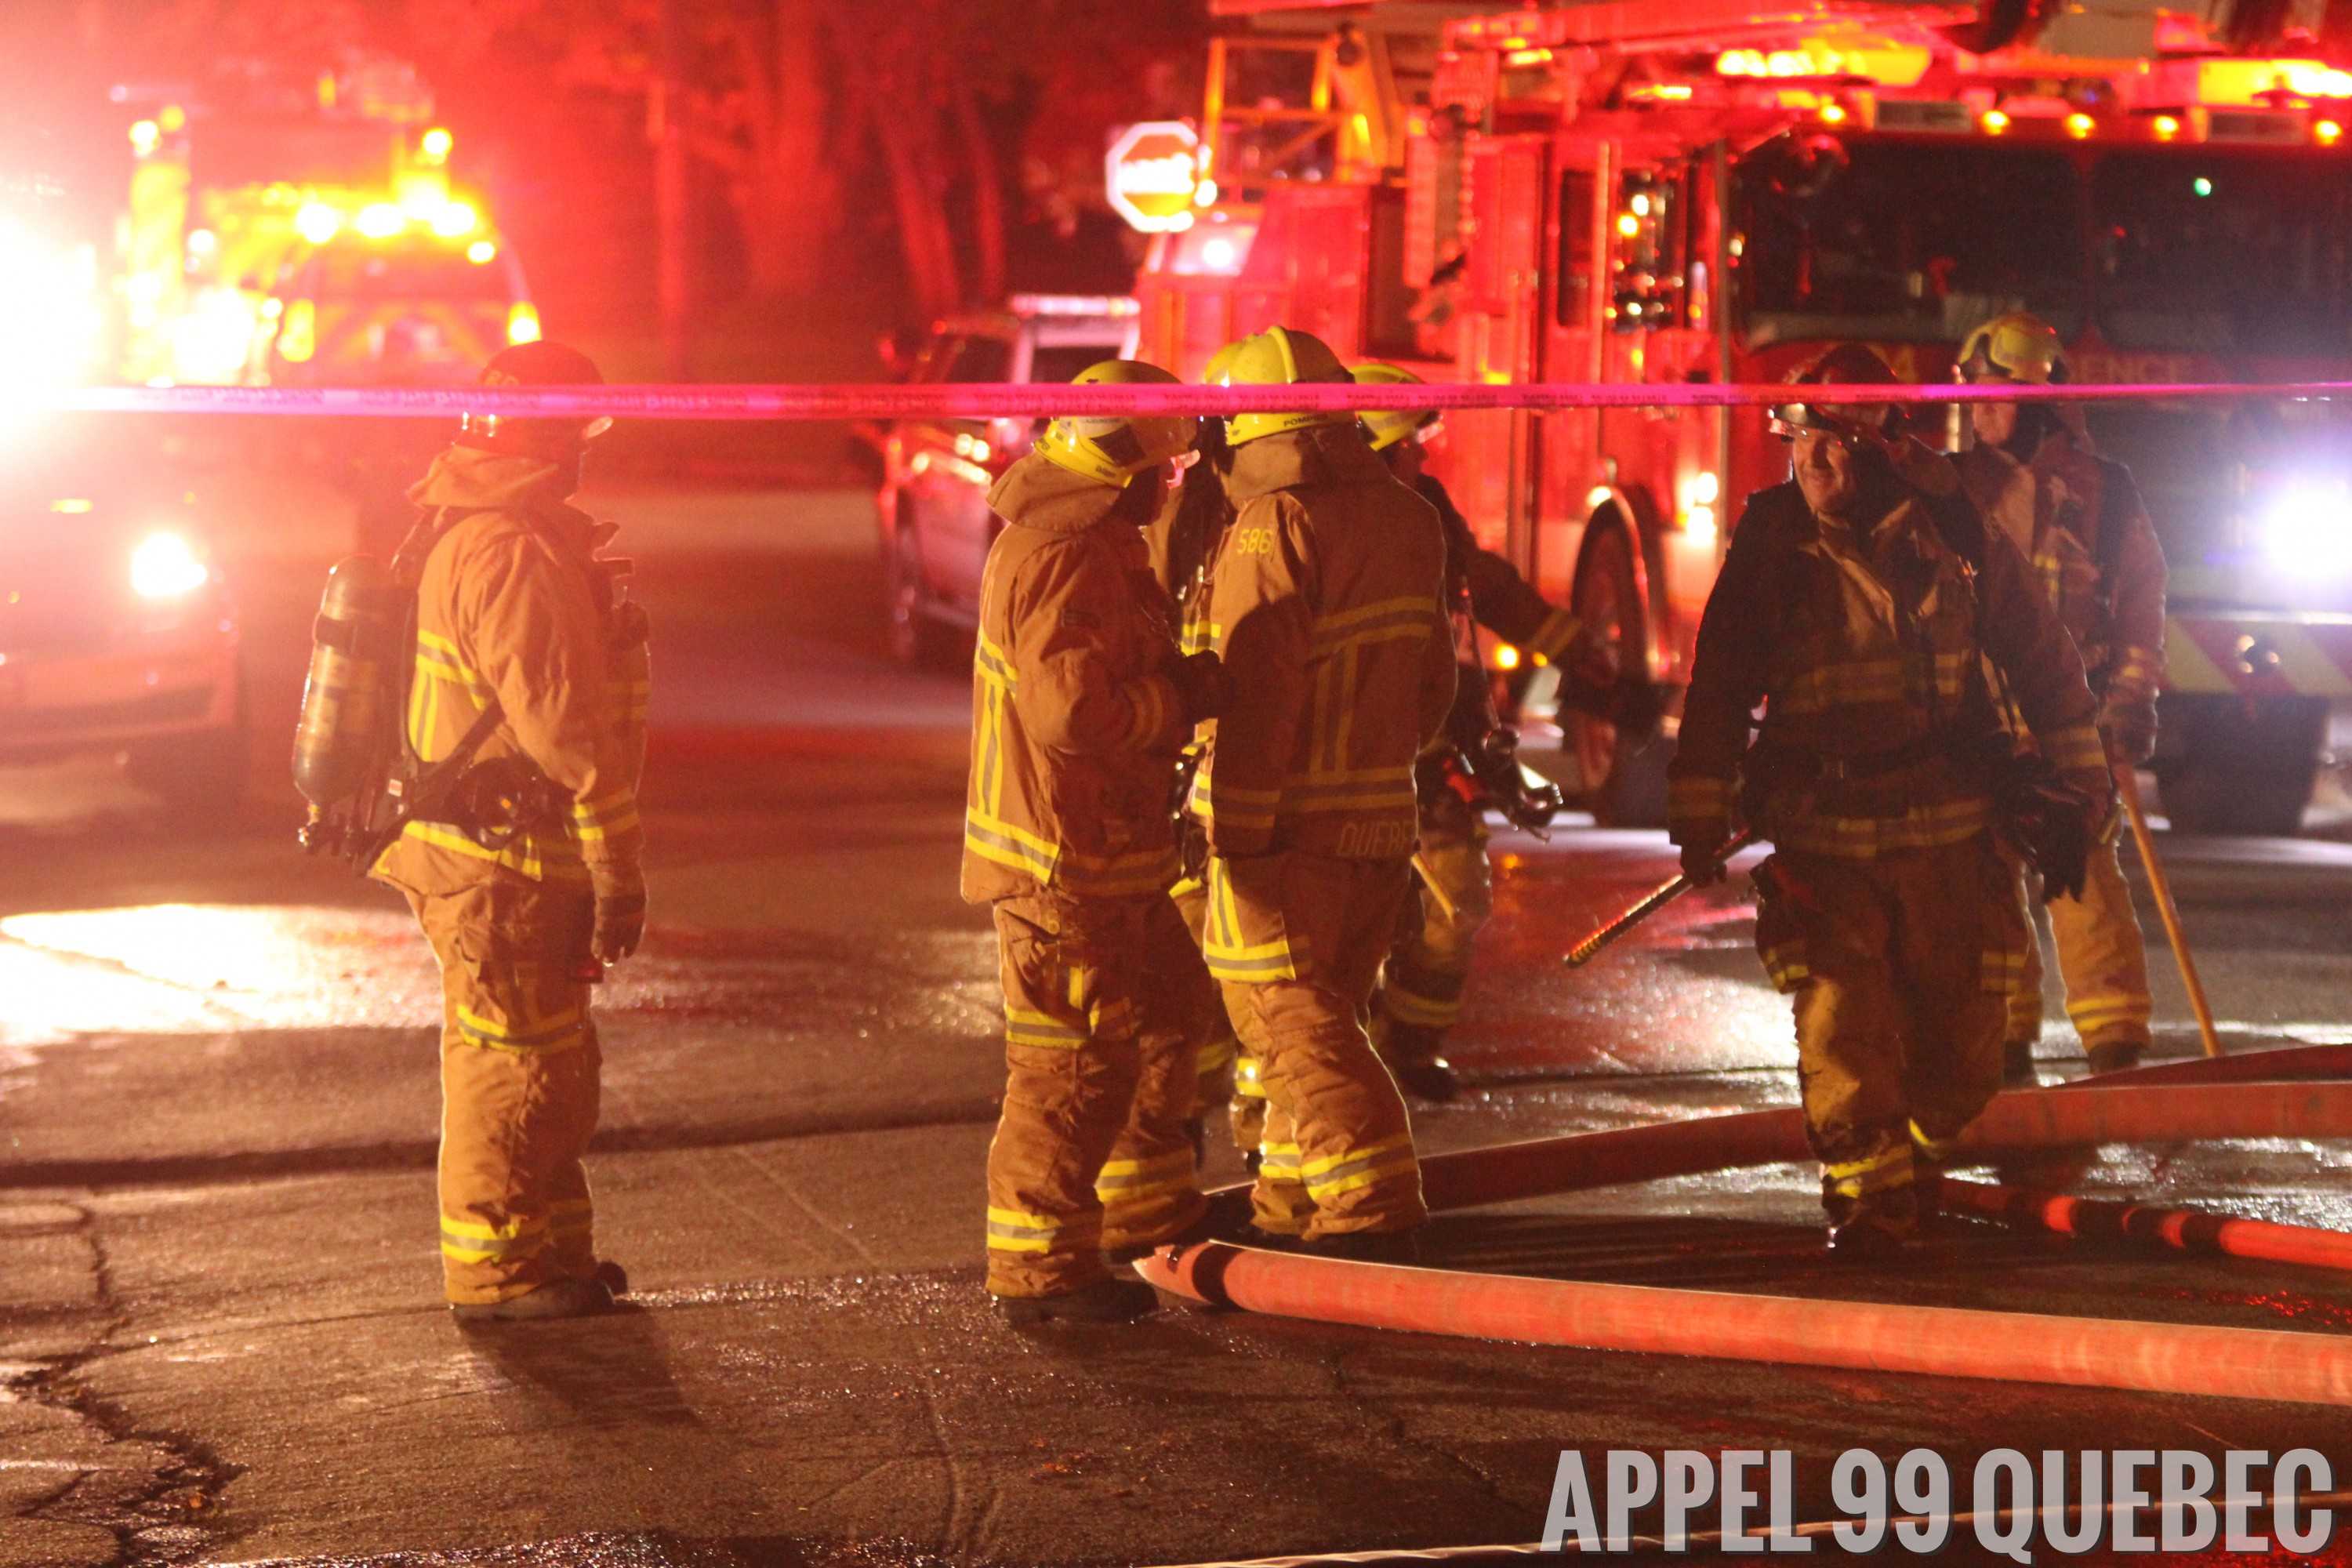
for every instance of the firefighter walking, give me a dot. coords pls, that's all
(1080, 703)
(1857, 605)
(1464, 772)
(2077, 517)
(1326, 599)
(527, 657)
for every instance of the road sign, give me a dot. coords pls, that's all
(1153, 176)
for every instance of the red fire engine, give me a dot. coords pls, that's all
(1712, 191)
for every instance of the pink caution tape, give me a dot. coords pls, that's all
(1012, 401)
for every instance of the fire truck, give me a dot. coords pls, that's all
(279, 231)
(1714, 190)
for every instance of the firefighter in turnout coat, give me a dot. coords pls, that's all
(1081, 703)
(1325, 598)
(2078, 519)
(523, 643)
(1858, 605)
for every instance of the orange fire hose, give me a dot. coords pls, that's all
(2022, 1118)
(2239, 1067)
(2178, 1230)
(1946, 1342)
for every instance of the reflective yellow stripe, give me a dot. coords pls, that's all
(1937, 1149)
(1853, 1178)
(1861, 838)
(1202, 636)
(1858, 682)
(1428, 1012)
(1695, 795)
(993, 838)
(1247, 1083)
(1010, 1230)
(2075, 749)
(1560, 629)
(1026, 1027)
(1336, 1173)
(992, 664)
(1279, 1161)
(536, 856)
(556, 1032)
(470, 1241)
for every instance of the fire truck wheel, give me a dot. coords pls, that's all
(2240, 771)
(1623, 782)
(911, 633)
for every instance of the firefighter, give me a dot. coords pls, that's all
(1429, 965)
(1326, 597)
(1858, 603)
(1080, 704)
(1181, 540)
(2079, 520)
(525, 651)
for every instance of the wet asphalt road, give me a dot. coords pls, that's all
(220, 1337)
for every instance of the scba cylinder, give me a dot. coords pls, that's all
(347, 698)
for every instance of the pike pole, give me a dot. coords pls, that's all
(1657, 898)
(2128, 787)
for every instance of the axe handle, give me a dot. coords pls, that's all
(2128, 787)
(1649, 904)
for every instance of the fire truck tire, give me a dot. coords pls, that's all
(1624, 783)
(912, 633)
(201, 776)
(2241, 771)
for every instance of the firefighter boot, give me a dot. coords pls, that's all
(1100, 1301)
(1872, 1225)
(563, 1298)
(1411, 1053)
(2113, 1056)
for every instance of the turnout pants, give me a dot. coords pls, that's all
(1297, 940)
(2102, 958)
(1098, 1089)
(1900, 970)
(1454, 897)
(519, 1086)
(1229, 1074)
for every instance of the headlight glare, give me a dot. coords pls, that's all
(165, 566)
(2307, 532)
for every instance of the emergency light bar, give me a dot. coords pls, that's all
(1005, 400)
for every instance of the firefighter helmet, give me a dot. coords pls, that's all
(1848, 365)
(539, 364)
(1384, 428)
(2015, 347)
(1112, 448)
(1281, 357)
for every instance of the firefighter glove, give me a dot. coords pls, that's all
(2129, 729)
(2052, 822)
(620, 925)
(1202, 685)
(1633, 705)
(1702, 857)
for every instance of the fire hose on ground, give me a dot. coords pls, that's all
(1866, 1336)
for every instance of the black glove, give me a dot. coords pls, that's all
(2051, 822)
(1203, 686)
(1633, 705)
(1702, 859)
(2129, 730)
(619, 924)
(1191, 850)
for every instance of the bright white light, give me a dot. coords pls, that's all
(317, 222)
(480, 252)
(1219, 254)
(211, 342)
(380, 221)
(456, 219)
(164, 566)
(54, 334)
(2307, 533)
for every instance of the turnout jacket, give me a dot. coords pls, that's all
(514, 606)
(1863, 646)
(1327, 599)
(1075, 726)
(1499, 599)
(2079, 520)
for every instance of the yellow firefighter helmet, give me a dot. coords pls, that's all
(1280, 357)
(2015, 347)
(1384, 428)
(1112, 448)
